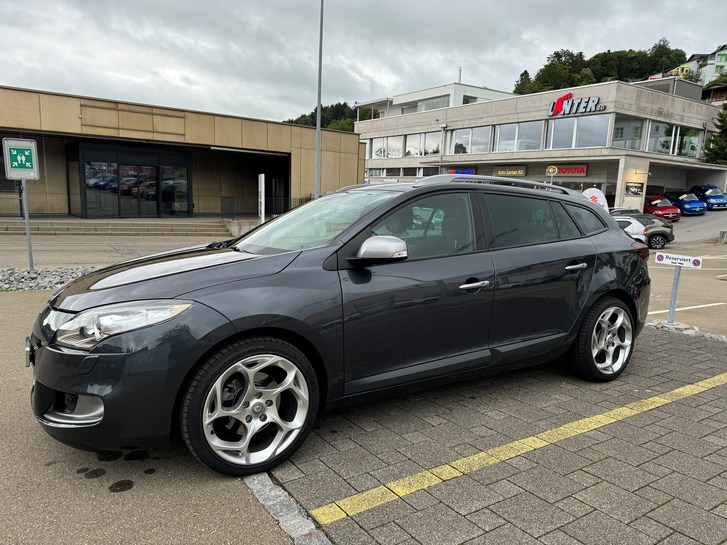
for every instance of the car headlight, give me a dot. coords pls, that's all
(90, 327)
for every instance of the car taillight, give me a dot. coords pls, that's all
(641, 249)
(644, 231)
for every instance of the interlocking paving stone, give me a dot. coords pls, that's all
(616, 502)
(621, 474)
(546, 484)
(508, 534)
(531, 514)
(703, 526)
(389, 534)
(465, 495)
(352, 462)
(624, 482)
(691, 490)
(691, 466)
(598, 528)
(439, 525)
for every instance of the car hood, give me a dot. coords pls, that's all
(166, 275)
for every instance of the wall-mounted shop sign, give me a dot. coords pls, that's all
(570, 170)
(462, 171)
(511, 170)
(567, 105)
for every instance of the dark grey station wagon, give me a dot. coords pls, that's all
(239, 344)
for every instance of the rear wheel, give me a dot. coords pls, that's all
(657, 242)
(605, 341)
(250, 406)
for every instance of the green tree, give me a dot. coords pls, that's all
(715, 151)
(695, 76)
(564, 68)
(341, 125)
(665, 58)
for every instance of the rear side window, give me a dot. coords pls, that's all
(519, 221)
(588, 221)
(567, 228)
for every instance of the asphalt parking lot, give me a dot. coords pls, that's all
(532, 456)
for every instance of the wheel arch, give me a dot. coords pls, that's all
(291, 337)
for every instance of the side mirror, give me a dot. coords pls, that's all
(380, 249)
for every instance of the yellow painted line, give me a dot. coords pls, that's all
(364, 501)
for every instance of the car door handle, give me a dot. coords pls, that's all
(576, 267)
(475, 285)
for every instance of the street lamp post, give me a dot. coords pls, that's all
(318, 112)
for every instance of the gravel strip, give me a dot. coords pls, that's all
(39, 279)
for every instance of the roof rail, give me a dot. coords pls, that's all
(475, 179)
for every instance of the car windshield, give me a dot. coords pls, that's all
(688, 197)
(714, 192)
(661, 202)
(314, 224)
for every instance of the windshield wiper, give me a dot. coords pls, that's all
(219, 244)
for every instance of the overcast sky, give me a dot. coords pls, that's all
(260, 58)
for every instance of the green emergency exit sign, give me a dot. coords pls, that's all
(20, 159)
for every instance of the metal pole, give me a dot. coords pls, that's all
(27, 224)
(674, 289)
(318, 111)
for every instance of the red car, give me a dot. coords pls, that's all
(661, 207)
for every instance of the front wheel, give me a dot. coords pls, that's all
(657, 242)
(605, 341)
(250, 406)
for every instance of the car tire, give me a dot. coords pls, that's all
(604, 344)
(657, 242)
(249, 406)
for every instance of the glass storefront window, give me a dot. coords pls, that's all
(378, 148)
(413, 145)
(394, 146)
(505, 137)
(461, 141)
(529, 135)
(560, 133)
(660, 137)
(480, 140)
(627, 132)
(432, 143)
(174, 191)
(592, 131)
(100, 178)
(687, 142)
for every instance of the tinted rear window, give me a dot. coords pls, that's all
(588, 221)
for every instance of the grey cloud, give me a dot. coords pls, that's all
(260, 59)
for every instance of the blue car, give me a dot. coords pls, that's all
(712, 195)
(688, 203)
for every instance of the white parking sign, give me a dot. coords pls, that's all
(679, 260)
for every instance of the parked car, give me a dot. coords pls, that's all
(127, 185)
(656, 233)
(240, 343)
(624, 211)
(661, 207)
(102, 183)
(712, 195)
(687, 203)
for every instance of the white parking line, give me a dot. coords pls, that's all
(687, 308)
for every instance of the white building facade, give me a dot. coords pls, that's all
(624, 139)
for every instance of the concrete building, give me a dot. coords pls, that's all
(101, 158)
(624, 139)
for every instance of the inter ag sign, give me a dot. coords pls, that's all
(567, 105)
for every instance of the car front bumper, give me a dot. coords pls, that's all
(122, 394)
